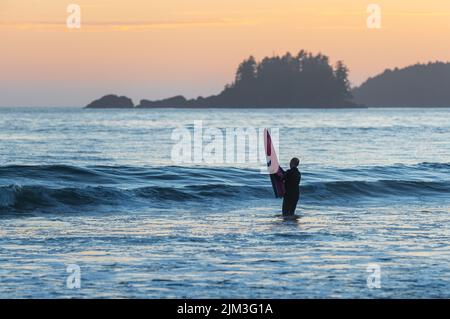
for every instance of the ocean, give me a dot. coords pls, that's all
(99, 191)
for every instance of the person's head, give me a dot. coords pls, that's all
(294, 162)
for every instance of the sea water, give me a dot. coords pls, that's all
(99, 189)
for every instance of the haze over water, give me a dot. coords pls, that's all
(98, 188)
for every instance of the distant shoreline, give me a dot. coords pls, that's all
(417, 86)
(289, 81)
(309, 81)
(230, 108)
(269, 107)
(226, 108)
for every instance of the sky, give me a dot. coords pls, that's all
(159, 48)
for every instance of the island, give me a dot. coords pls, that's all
(111, 101)
(310, 81)
(303, 80)
(420, 85)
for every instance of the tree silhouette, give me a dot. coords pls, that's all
(304, 80)
(419, 85)
(246, 71)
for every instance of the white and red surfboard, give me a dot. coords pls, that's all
(275, 171)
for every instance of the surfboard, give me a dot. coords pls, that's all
(275, 171)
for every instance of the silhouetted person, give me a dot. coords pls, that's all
(291, 179)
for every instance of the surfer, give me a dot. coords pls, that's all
(291, 179)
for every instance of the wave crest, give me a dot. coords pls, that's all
(55, 187)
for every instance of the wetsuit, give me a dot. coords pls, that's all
(291, 179)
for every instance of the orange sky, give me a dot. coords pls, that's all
(154, 49)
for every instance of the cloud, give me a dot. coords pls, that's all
(122, 25)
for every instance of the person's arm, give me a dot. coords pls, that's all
(285, 175)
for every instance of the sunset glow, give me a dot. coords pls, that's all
(154, 49)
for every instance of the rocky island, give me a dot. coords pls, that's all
(309, 81)
(304, 80)
(111, 102)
